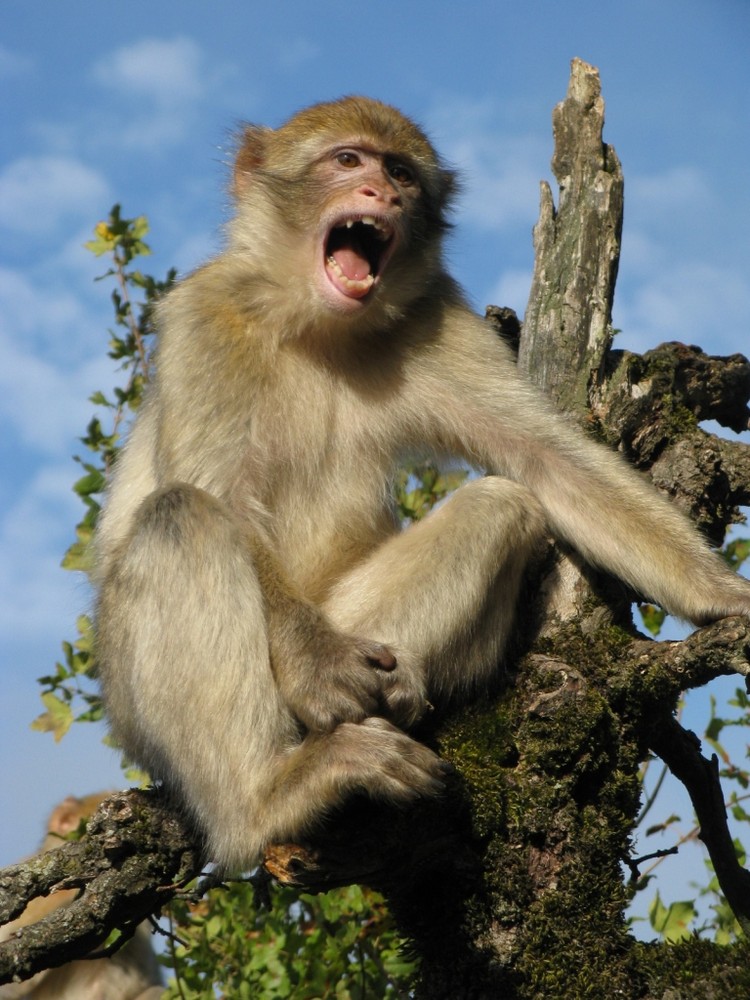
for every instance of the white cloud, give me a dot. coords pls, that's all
(37, 193)
(298, 52)
(695, 302)
(676, 280)
(676, 189)
(167, 72)
(39, 524)
(44, 404)
(500, 169)
(165, 81)
(55, 309)
(512, 290)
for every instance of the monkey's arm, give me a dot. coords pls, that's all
(592, 499)
(326, 676)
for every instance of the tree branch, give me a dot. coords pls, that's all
(718, 650)
(137, 855)
(567, 327)
(680, 751)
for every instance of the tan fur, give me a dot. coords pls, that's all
(254, 585)
(132, 974)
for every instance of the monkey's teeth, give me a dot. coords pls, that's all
(384, 232)
(352, 284)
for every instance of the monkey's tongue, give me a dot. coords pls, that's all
(349, 271)
(354, 265)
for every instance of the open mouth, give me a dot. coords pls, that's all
(356, 252)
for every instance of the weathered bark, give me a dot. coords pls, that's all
(568, 322)
(137, 855)
(512, 885)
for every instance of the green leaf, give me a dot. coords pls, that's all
(653, 617)
(672, 922)
(736, 552)
(57, 719)
(714, 727)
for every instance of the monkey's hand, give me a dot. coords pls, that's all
(379, 759)
(404, 694)
(328, 677)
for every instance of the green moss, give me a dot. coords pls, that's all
(552, 777)
(696, 970)
(551, 768)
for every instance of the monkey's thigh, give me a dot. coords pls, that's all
(443, 592)
(185, 661)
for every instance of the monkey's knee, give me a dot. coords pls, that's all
(503, 507)
(173, 511)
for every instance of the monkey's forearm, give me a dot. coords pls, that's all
(325, 676)
(620, 523)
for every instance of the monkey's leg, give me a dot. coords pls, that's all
(442, 594)
(372, 756)
(188, 682)
(184, 662)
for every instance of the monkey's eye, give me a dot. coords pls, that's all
(347, 158)
(401, 174)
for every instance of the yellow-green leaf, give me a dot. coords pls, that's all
(56, 720)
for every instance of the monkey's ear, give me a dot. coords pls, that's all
(251, 155)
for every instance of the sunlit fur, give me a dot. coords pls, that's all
(253, 581)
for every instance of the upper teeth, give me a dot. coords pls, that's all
(369, 220)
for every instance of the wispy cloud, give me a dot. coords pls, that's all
(500, 168)
(38, 193)
(170, 79)
(298, 52)
(671, 190)
(695, 302)
(512, 290)
(165, 72)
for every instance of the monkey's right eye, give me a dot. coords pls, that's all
(347, 158)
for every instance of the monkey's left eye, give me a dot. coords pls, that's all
(401, 174)
(347, 159)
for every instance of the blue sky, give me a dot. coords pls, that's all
(136, 103)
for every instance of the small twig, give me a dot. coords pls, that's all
(634, 863)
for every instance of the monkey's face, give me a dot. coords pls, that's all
(370, 199)
(342, 209)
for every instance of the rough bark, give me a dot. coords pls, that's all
(512, 885)
(137, 855)
(568, 325)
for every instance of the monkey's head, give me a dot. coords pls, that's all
(342, 209)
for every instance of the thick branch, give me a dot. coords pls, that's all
(136, 855)
(718, 650)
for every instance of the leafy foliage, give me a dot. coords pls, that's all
(66, 695)
(341, 944)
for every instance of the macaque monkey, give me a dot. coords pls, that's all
(266, 633)
(131, 974)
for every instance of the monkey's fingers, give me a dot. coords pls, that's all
(404, 769)
(378, 655)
